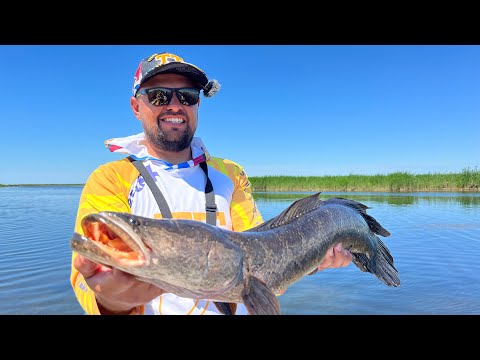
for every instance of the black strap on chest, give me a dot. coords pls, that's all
(210, 206)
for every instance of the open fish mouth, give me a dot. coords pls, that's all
(109, 239)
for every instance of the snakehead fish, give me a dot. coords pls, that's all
(197, 260)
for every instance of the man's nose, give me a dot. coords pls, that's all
(174, 102)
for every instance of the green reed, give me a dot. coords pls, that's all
(467, 180)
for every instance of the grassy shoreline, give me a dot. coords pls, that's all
(466, 181)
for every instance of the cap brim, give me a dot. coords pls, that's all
(198, 77)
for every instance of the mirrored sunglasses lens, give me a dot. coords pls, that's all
(159, 97)
(188, 96)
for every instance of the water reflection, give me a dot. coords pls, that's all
(401, 199)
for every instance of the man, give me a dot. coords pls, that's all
(166, 100)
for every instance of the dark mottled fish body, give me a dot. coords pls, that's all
(197, 260)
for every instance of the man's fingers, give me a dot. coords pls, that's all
(86, 266)
(327, 260)
(338, 247)
(336, 257)
(329, 254)
(342, 257)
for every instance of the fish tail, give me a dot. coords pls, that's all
(380, 264)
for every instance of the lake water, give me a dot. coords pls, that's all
(435, 241)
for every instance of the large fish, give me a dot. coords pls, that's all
(197, 260)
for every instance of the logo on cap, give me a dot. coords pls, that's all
(165, 58)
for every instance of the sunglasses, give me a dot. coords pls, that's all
(159, 96)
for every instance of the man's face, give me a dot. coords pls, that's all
(167, 127)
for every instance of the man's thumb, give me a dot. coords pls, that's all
(86, 266)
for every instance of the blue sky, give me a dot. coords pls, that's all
(282, 110)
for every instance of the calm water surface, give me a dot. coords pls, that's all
(435, 241)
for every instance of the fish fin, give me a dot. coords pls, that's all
(226, 308)
(259, 299)
(373, 224)
(295, 210)
(380, 263)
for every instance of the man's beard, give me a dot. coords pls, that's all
(160, 140)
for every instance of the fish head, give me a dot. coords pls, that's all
(111, 242)
(187, 257)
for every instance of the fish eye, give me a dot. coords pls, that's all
(134, 222)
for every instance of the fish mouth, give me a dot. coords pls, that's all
(111, 241)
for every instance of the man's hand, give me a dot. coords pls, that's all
(116, 291)
(336, 257)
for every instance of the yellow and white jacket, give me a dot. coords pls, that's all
(117, 186)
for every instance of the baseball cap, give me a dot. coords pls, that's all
(168, 63)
